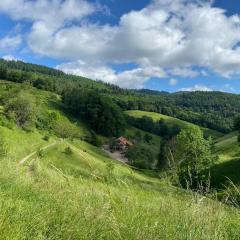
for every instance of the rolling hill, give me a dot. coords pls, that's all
(214, 110)
(171, 121)
(56, 185)
(228, 147)
(51, 192)
(227, 169)
(86, 195)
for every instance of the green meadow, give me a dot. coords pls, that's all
(56, 188)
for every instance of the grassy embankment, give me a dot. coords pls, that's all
(83, 194)
(171, 121)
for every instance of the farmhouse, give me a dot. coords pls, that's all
(123, 144)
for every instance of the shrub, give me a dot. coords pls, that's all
(93, 139)
(141, 156)
(22, 109)
(6, 122)
(46, 138)
(40, 153)
(110, 172)
(68, 151)
(65, 129)
(47, 120)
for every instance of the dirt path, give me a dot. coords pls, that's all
(81, 153)
(23, 160)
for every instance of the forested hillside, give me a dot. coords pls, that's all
(60, 177)
(214, 110)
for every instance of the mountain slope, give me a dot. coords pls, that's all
(214, 110)
(170, 120)
(228, 147)
(86, 195)
(70, 189)
(55, 185)
(227, 169)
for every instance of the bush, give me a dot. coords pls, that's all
(68, 151)
(6, 122)
(40, 153)
(65, 129)
(93, 139)
(110, 177)
(22, 109)
(46, 138)
(47, 120)
(141, 157)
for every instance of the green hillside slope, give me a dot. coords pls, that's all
(86, 195)
(55, 188)
(170, 121)
(227, 147)
(214, 110)
(228, 150)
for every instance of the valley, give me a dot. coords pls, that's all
(56, 181)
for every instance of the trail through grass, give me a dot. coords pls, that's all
(84, 194)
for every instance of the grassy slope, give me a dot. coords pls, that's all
(79, 196)
(227, 147)
(228, 167)
(170, 120)
(87, 195)
(154, 144)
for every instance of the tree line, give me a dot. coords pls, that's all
(160, 128)
(214, 110)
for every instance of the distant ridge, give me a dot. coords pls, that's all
(151, 92)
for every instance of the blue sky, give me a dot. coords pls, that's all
(168, 45)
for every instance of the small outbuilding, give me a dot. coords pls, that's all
(123, 143)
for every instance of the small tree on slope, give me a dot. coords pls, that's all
(194, 158)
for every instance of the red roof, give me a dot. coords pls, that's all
(122, 141)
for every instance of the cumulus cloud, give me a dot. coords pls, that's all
(127, 79)
(184, 72)
(197, 87)
(10, 58)
(9, 43)
(174, 36)
(53, 12)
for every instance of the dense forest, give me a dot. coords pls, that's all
(103, 116)
(160, 128)
(214, 110)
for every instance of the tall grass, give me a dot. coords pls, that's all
(41, 202)
(86, 195)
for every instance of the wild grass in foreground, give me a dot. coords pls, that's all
(41, 201)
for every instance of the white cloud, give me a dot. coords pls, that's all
(10, 58)
(127, 79)
(197, 87)
(53, 12)
(173, 82)
(174, 36)
(8, 43)
(184, 72)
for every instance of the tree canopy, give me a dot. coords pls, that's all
(193, 157)
(98, 111)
